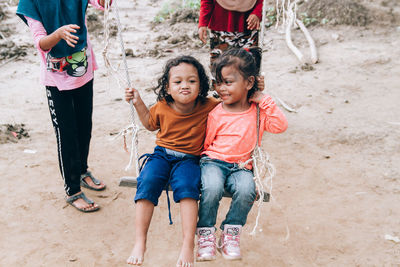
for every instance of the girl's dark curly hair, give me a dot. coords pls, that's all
(161, 88)
(246, 61)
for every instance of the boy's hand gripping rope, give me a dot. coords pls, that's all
(133, 127)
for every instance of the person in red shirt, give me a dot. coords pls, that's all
(231, 23)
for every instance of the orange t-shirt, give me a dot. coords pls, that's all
(181, 132)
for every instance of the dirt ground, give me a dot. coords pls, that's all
(337, 188)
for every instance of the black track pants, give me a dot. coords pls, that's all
(71, 115)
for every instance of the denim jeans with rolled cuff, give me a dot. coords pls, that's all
(217, 175)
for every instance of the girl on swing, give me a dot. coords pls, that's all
(180, 116)
(231, 137)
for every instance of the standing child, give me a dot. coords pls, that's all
(180, 116)
(67, 64)
(230, 139)
(232, 24)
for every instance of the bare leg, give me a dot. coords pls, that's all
(189, 211)
(144, 212)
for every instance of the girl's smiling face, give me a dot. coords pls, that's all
(234, 88)
(183, 86)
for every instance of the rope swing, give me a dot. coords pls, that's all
(133, 127)
(263, 169)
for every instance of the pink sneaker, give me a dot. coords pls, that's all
(229, 243)
(206, 247)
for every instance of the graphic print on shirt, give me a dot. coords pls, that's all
(75, 65)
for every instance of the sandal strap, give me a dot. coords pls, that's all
(89, 174)
(81, 195)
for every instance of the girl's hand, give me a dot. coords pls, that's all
(256, 97)
(131, 94)
(65, 32)
(203, 34)
(260, 82)
(253, 23)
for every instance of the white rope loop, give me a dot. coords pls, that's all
(134, 153)
(261, 42)
(263, 169)
(257, 156)
(287, 10)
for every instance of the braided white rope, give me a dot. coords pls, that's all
(263, 169)
(127, 81)
(258, 159)
(287, 10)
(261, 42)
(264, 172)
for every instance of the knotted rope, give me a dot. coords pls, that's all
(287, 11)
(133, 127)
(263, 169)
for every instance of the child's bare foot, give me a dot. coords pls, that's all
(186, 258)
(137, 254)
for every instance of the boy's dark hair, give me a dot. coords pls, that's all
(161, 88)
(247, 61)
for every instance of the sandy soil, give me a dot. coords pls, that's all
(337, 188)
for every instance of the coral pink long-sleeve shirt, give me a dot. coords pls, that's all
(217, 18)
(61, 80)
(232, 137)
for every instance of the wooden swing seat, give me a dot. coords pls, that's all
(130, 181)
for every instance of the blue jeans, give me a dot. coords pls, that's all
(217, 175)
(167, 167)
